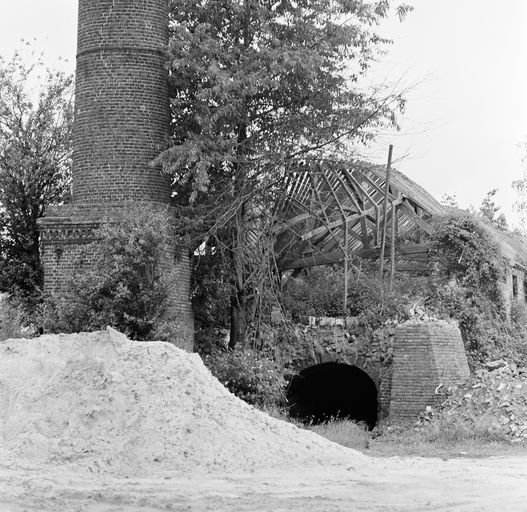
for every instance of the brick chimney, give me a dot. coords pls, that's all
(121, 124)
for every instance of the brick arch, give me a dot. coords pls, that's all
(333, 390)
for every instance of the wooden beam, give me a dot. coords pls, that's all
(416, 253)
(374, 185)
(425, 226)
(312, 260)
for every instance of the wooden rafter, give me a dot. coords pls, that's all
(333, 210)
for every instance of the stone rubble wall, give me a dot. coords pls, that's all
(407, 362)
(323, 340)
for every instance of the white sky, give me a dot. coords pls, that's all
(465, 115)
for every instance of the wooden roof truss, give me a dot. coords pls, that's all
(334, 213)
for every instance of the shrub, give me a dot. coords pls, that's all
(250, 376)
(319, 292)
(11, 319)
(120, 279)
(467, 289)
(474, 259)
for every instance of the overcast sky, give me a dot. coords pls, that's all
(465, 115)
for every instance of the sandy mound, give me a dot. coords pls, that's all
(110, 404)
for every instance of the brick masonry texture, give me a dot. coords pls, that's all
(121, 109)
(425, 356)
(121, 125)
(406, 362)
(341, 341)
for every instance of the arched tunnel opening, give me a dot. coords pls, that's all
(333, 391)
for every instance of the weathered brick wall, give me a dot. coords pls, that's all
(65, 247)
(121, 125)
(425, 355)
(62, 243)
(407, 362)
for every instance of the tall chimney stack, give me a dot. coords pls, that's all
(121, 124)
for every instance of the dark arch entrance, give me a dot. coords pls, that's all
(333, 390)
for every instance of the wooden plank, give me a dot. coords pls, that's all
(375, 185)
(425, 226)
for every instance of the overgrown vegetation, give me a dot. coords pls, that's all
(454, 436)
(319, 291)
(122, 279)
(466, 286)
(258, 89)
(12, 319)
(35, 151)
(250, 376)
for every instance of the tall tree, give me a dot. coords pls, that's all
(256, 87)
(520, 186)
(490, 211)
(35, 144)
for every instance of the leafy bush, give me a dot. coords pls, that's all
(319, 292)
(467, 287)
(250, 376)
(120, 279)
(12, 318)
(474, 259)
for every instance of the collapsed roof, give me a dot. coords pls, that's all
(333, 213)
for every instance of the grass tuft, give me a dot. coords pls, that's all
(345, 432)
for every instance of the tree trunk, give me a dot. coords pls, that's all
(238, 320)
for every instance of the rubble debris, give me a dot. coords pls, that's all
(497, 392)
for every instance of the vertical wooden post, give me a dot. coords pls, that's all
(392, 246)
(384, 215)
(346, 269)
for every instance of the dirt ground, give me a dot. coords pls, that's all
(373, 484)
(94, 422)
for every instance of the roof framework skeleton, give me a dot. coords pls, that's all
(333, 213)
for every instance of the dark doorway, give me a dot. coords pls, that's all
(333, 390)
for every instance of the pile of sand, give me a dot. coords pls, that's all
(109, 404)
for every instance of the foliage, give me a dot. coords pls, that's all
(318, 291)
(255, 81)
(120, 279)
(250, 376)
(12, 319)
(520, 186)
(489, 211)
(35, 150)
(210, 292)
(257, 87)
(468, 289)
(474, 259)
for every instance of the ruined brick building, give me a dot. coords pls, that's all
(121, 125)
